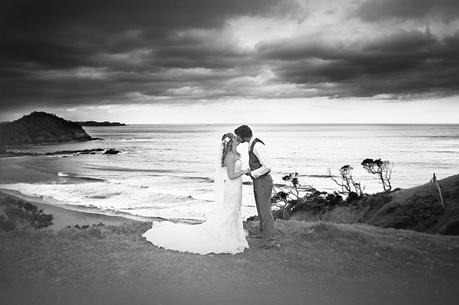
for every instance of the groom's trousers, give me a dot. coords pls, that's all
(262, 188)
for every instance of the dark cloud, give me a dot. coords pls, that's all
(400, 63)
(133, 42)
(91, 52)
(53, 32)
(377, 10)
(122, 14)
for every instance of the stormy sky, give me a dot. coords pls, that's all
(210, 61)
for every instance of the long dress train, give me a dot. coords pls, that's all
(222, 232)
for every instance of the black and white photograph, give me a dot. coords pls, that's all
(210, 152)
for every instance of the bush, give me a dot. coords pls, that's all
(294, 197)
(23, 215)
(6, 225)
(321, 202)
(352, 197)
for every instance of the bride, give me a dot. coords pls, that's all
(223, 231)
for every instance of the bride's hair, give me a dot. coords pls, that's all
(227, 145)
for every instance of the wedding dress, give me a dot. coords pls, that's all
(222, 232)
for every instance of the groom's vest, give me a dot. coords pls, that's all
(254, 162)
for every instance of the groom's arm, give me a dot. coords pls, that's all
(260, 151)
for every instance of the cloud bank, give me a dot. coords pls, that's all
(73, 53)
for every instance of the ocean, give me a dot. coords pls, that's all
(167, 170)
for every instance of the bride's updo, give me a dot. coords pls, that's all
(227, 145)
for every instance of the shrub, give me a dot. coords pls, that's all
(6, 225)
(294, 197)
(23, 215)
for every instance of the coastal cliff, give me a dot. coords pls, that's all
(41, 127)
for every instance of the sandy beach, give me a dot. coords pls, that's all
(64, 217)
(318, 263)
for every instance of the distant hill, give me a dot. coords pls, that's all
(94, 123)
(41, 127)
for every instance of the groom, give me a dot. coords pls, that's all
(260, 167)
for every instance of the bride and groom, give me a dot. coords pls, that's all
(223, 230)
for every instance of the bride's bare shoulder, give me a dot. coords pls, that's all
(230, 159)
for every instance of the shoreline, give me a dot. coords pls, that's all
(64, 216)
(68, 215)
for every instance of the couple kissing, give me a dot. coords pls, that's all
(223, 230)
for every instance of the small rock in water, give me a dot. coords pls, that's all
(111, 151)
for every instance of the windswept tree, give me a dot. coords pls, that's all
(347, 183)
(383, 169)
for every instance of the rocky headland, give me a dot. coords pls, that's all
(95, 123)
(41, 128)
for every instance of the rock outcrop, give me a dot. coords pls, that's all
(41, 127)
(111, 151)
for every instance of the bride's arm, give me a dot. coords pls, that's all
(229, 162)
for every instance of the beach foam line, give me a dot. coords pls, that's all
(137, 139)
(129, 169)
(75, 208)
(73, 176)
(196, 178)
